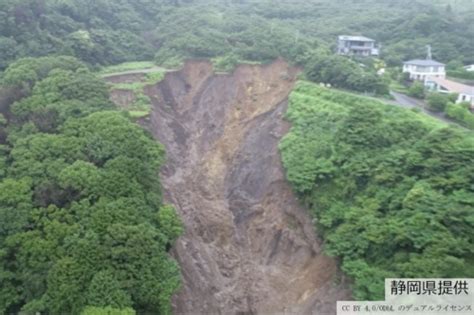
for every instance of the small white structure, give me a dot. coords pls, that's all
(420, 69)
(356, 46)
(469, 68)
(442, 85)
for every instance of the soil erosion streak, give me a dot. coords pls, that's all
(249, 247)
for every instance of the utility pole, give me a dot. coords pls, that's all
(428, 56)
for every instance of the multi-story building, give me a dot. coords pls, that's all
(356, 46)
(420, 69)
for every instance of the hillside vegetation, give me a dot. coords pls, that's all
(83, 228)
(109, 32)
(391, 190)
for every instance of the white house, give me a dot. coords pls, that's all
(442, 85)
(420, 69)
(469, 68)
(356, 46)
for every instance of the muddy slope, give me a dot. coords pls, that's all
(248, 247)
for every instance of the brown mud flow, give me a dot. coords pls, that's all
(249, 247)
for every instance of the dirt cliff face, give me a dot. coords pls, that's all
(122, 98)
(249, 247)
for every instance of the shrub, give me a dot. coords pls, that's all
(461, 113)
(417, 90)
(437, 101)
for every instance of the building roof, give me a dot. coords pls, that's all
(423, 62)
(356, 38)
(452, 86)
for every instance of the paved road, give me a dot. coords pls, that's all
(406, 101)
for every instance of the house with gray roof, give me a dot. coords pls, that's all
(420, 69)
(356, 46)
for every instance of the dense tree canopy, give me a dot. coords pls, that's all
(391, 190)
(83, 227)
(110, 32)
(339, 71)
(259, 30)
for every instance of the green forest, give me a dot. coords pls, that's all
(391, 189)
(229, 32)
(109, 32)
(84, 228)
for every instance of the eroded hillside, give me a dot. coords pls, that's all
(249, 246)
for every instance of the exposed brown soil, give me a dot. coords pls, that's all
(249, 247)
(125, 78)
(122, 97)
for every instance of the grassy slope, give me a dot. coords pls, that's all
(127, 66)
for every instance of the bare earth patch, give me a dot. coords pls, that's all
(249, 246)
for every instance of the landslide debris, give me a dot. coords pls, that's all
(249, 246)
